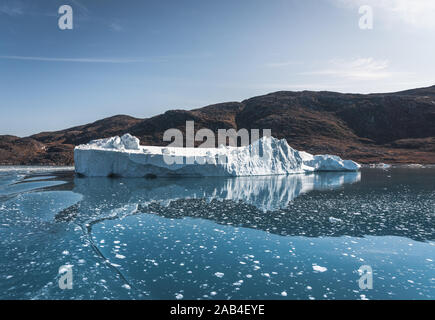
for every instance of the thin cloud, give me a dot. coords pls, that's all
(357, 69)
(81, 6)
(83, 60)
(108, 60)
(282, 64)
(116, 27)
(11, 10)
(16, 8)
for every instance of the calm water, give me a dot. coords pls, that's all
(294, 237)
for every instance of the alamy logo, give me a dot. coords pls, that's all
(240, 138)
(366, 277)
(366, 20)
(66, 20)
(66, 278)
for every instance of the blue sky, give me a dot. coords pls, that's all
(144, 57)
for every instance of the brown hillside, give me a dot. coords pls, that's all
(392, 127)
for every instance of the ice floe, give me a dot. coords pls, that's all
(319, 268)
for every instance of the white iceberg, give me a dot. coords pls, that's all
(327, 162)
(125, 157)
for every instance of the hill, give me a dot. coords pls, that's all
(391, 127)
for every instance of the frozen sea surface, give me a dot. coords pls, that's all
(282, 237)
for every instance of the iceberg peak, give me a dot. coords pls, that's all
(127, 142)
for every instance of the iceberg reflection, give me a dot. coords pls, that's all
(264, 203)
(267, 193)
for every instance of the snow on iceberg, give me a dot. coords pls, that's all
(327, 162)
(125, 157)
(126, 142)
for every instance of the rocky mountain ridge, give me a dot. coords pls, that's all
(392, 127)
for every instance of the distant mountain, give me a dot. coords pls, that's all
(390, 127)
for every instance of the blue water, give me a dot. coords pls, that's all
(293, 237)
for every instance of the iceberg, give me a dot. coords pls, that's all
(327, 162)
(125, 157)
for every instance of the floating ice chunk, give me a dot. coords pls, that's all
(219, 274)
(238, 283)
(115, 265)
(334, 220)
(327, 162)
(380, 165)
(179, 296)
(266, 156)
(319, 268)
